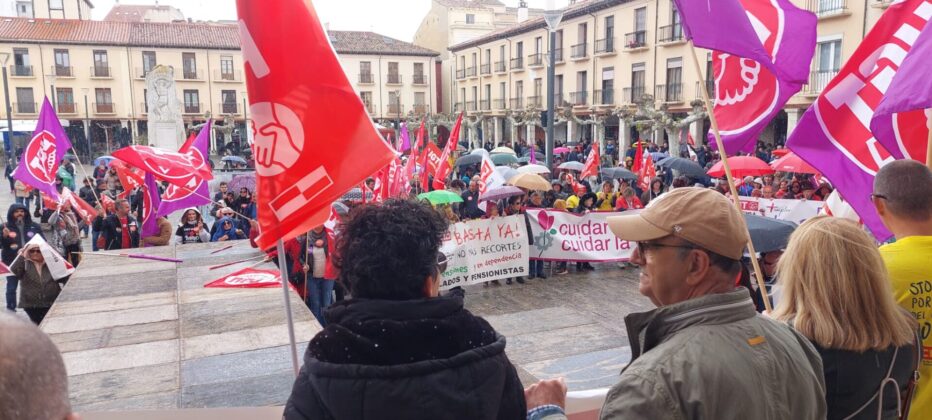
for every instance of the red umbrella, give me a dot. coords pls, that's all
(741, 166)
(780, 152)
(793, 163)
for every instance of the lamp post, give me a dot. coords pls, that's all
(553, 16)
(52, 78)
(87, 124)
(246, 130)
(8, 142)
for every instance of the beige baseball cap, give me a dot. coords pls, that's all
(701, 216)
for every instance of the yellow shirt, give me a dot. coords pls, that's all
(606, 202)
(909, 262)
(572, 202)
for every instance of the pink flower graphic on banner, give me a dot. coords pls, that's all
(544, 220)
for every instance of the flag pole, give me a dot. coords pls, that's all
(283, 271)
(93, 187)
(929, 143)
(728, 177)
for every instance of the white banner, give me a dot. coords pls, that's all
(796, 211)
(562, 236)
(484, 250)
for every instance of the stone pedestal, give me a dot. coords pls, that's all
(165, 135)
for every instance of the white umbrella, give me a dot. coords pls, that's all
(506, 172)
(504, 150)
(533, 169)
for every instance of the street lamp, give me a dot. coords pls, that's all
(52, 78)
(87, 124)
(244, 137)
(8, 142)
(553, 16)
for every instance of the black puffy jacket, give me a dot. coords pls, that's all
(10, 246)
(416, 359)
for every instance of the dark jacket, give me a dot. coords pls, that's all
(470, 208)
(37, 290)
(10, 246)
(416, 359)
(113, 232)
(87, 194)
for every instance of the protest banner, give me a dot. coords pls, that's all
(484, 250)
(562, 236)
(796, 211)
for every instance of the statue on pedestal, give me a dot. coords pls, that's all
(166, 129)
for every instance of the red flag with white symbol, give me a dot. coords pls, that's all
(129, 178)
(430, 160)
(647, 172)
(249, 278)
(313, 138)
(174, 167)
(638, 158)
(593, 163)
(444, 167)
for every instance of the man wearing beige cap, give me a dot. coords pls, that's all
(704, 353)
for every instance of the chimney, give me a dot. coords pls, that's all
(522, 11)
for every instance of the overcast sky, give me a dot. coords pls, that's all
(395, 18)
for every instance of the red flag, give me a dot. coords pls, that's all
(593, 163)
(173, 167)
(249, 278)
(430, 160)
(128, 178)
(79, 206)
(638, 158)
(690, 140)
(646, 173)
(444, 168)
(107, 203)
(577, 187)
(314, 139)
(4, 269)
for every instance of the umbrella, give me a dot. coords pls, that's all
(533, 169)
(618, 173)
(500, 193)
(684, 166)
(235, 159)
(506, 172)
(340, 208)
(769, 234)
(572, 165)
(460, 147)
(504, 159)
(530, 182)
(469, 159)
(505, 150)
(247, 181)
(780, 152)
(524, 159)
(440, 197)
(793, 163)
(741, 166)
(105, 159)
(538, 155)
(355, 194)
(561, 150)
(658, 156)
(69, 156)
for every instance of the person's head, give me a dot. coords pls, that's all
(836, 290)
(536, 198)
(370, 183)
(88, 181)
(607, 187)
(680, 182)
(226, 212)
(903, 197)
(767, 191)
(557, 187)
(19, 213)
(656, 185)
(101, 165)
(587, 200)
(34, 253)
(474, 184)
(226, 223)
(627, 193)
(392, 251)
(492, 210)
(684, 254)
(224, 187)
(783, 185)
(796, 187)
(768, 262)
(33, 379)
(559, 204)
(191, 216)
(807, 189)
(768, 179)
(514, 204)
(755, 192)
(121, 207)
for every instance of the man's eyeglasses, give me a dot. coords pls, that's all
(880, 196)
(441, 262)
(644, 246)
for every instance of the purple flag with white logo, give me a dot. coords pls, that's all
(405, 139)
(42, 156)
(901, 121)
(196, 191)
(150, 203)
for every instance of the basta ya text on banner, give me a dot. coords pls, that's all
(484, 250)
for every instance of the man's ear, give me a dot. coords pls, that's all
(880, 205)
(698, 266)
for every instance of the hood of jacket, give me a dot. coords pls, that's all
(16, 206)
(184, 220)
(221, 231)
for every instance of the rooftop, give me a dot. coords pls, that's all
(138, 13)
(469, 3)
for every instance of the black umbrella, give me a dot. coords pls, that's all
(684, 166)
(618, 173)
(469, 159)
(769, 234)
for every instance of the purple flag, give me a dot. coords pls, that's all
(776, 34)
(150, 203)
(198, 194)
(901, 122)
(405, 139)
(42, 156)
(533, 154)
(834, 134)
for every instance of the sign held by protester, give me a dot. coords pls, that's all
(562, 236)
(796, 211)
(484, 250)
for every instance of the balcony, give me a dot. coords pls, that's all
(517, 64)
(709, 86)
(471, 71)
(461, 74)
(485, 104)
(557, 99)
(369, 108)
(67, 108)
(420, 109)
(535, 60)
(670, 34)
(419, 79)
(395, 109)
(24, 107)
(579, 51)
(365, 78)
(534, 102)
(104, 108)
(498, 104)
(580, 98)
(636, 40)
(501, 66)
(604, 97)
(470, 105)
(228, 107)
(485, 69)
(818, 80)
(517, 103)
(459, 107)
(558, 55)
(670, 92)
(21, 71)
(632, 95)
(228, 76)
(100, 72)
(393, 79)
(828, 8)
(605, 46)
(63, 71)
(191, 108)
(192, 75)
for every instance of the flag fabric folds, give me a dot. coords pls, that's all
(129, 178)
(313, 138)
(834, 134)
(444, 167)
(593, 163)
(175, 168)
(43, 154)
(150, 204)
(178, 198)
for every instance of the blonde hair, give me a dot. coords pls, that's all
(559, 204)
(836, 289)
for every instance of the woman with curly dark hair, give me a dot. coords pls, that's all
(398, 349)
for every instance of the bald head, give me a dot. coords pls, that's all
(33, 381)
(905, 186)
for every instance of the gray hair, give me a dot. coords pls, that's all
(33, 380)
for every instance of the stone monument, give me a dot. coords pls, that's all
(165, 126)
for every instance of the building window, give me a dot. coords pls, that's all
(21, 66)
(420, 103)
(607, 95)
(24, 9)
(419, 78)
(25, 102)
(56, 5)
(394, 103)
(674, 87)
(226, 68)
(828, 62)
(640, 19)
(470, 18)
(104, 103)
(189, 66)
(148, 62)
(229, 101)
(64, 97)
(62, 63)
(638, 82)
(367, 100)
(393, 76)
(192, 101)
(101, 64)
